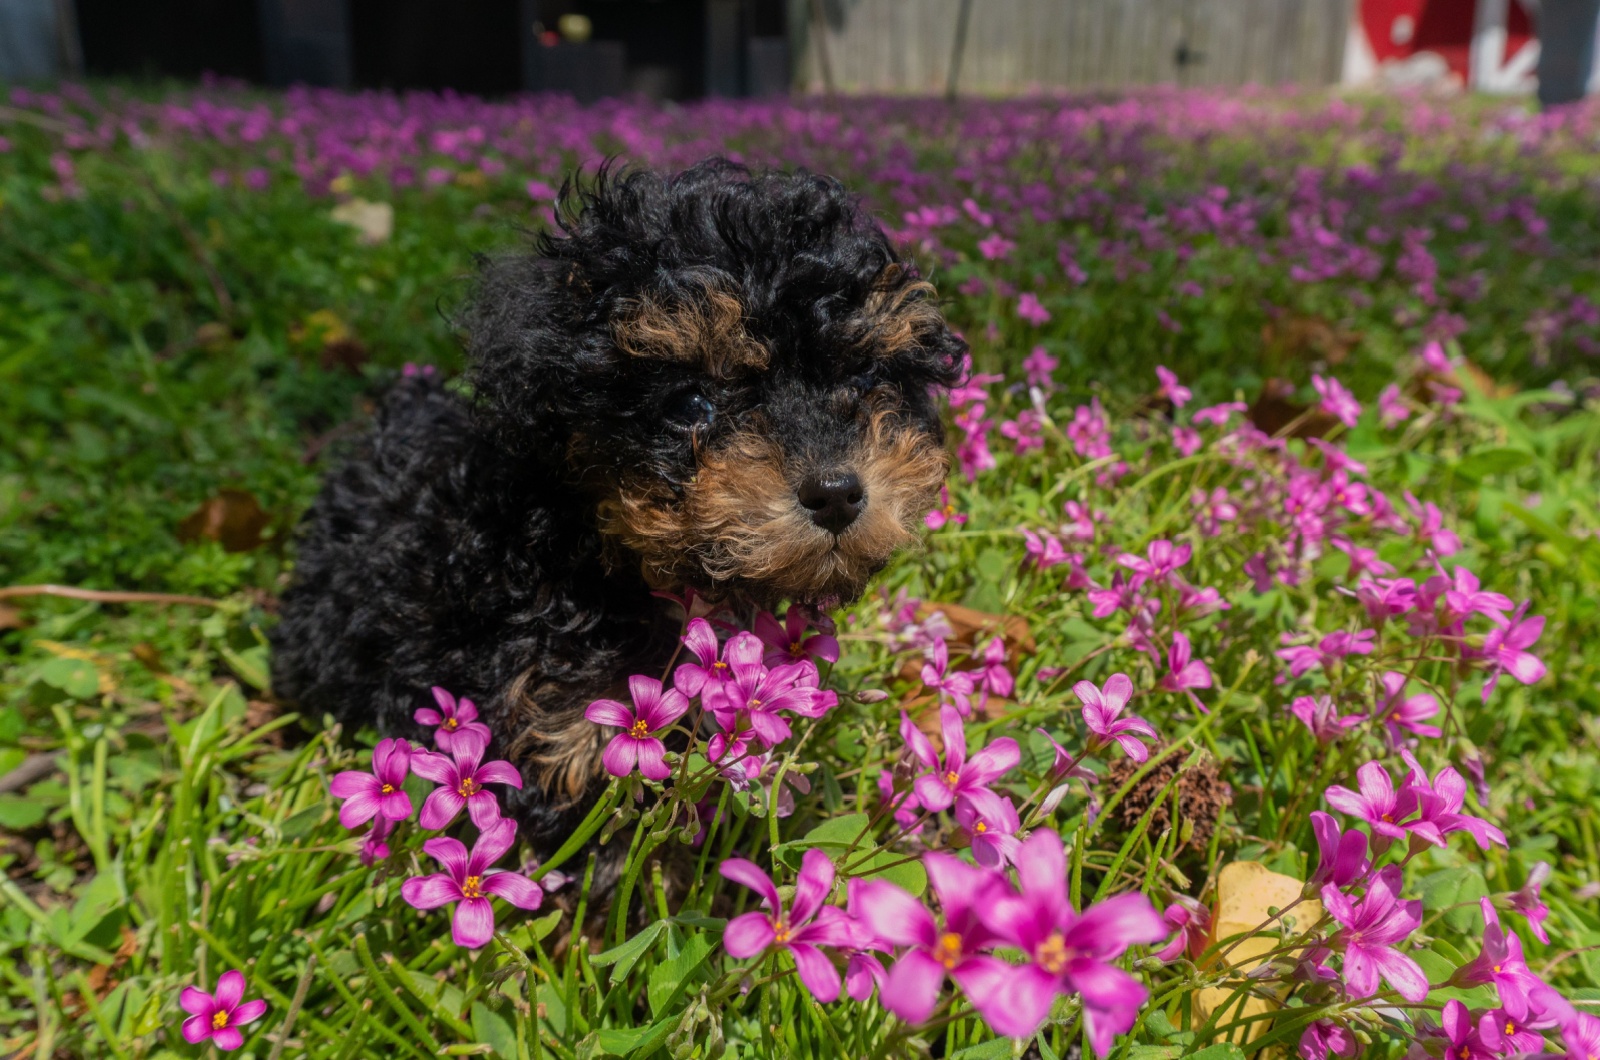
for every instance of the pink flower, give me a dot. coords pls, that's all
(1026, 431)
(1080, 522)
(1336, 400)
(1392, 407)
(792, 930)
(1100, 710)
(752, 700)
(905, 805)
(1386, 598)
(1171, 389)
(1506, 648)
(995, 247)
(1500, 962)
(1343, 855)
(1362, 560)
(637, 745)
(1369, 934)
(1040, 367)
(1461, 1034)
(1186, 441)
(219, 1016)
(1582, 1037)
(469, 881)
(375, 847)
(1431, 528)
(944, 514)
(951, 686)
(993, 678)
(1190, 923)
(991, 823)
(1401, 714)
(1526, 901)
(1319, 714)
(1440, 804)
(1030, 309)
(956, 775)
(709, 676)
(1324, 1038)
(1043, 549)
(950, 944)
(1218, 415)
(455, 720)
(379, 793)
(1067, 952)
(1377, 803)
(788, 643)
(1162, 558)
(1184, 671)
(461, 783)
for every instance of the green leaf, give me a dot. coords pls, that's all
(994, 1049)
(1220, 1051)
(668, 979)
(491, 1029)
(1485, 462)
(75, 677)
(542, 927)
(625, 956)
(250, 665)
(1460, 887)
(834, 836)
(17, 812)
(620, 1041)
(893, 866)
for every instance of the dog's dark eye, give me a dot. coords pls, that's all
(692, 409)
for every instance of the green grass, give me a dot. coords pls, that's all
(163, 339)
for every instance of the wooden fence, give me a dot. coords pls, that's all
(905, 46)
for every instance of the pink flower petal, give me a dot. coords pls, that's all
(227, 1039)
(196, 1002)
(620, 755)
(360, 808)
(431, 765)
(812, 887)
(441, 807)
(230, 989)
(1014, 1001)
(473, 923)
(248, 1012)
(816, 971)
(197, 1029)
(497, 838)
(653, 760)
(483, 808)
(749, 873)
(450, 853)
(609, 712)
(499, 772)
(911, 989)
(514, 888)
(748, 935)
(430, 892)
(352, 783)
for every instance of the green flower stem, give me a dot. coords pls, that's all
(584, 832)
(386, 990)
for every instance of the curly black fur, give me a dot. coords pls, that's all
(464, 544)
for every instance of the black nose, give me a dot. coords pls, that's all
(834, 500)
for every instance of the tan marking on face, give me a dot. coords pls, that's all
(708, 331)
(740, 522)
(901, 316)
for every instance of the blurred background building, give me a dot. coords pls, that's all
(687, 49)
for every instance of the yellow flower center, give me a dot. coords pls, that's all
(452, 724)
(219, 1019)
(1497, 969)
(472, 887)
(719, 665)
(640, 730)
(952, 778)
(1389, 818)
(949, 509)
(794, 647)
(754, 703)
(1511, 1028)
(1052, 954)
(947, 951)
(469, 788)
(387, 789)
(980, 828)
(781, 931)
(1463, 1052)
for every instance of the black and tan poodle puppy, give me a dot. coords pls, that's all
(714, 380)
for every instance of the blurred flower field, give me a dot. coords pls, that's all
(1242, 700)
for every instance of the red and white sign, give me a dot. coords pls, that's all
(1484, 44)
